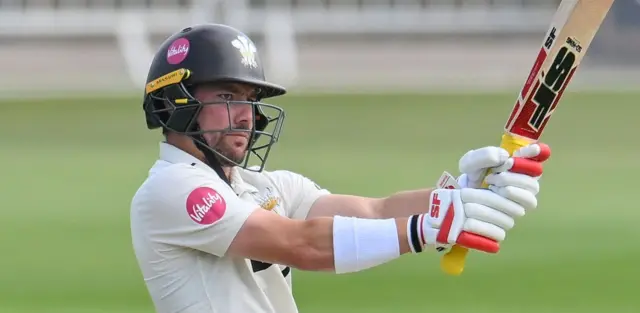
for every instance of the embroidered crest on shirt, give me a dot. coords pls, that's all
(269, 200)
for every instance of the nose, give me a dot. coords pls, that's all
(243, 115)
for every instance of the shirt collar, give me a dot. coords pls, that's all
(173, 154)
(238, 184)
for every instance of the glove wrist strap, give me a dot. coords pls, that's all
(415, 233)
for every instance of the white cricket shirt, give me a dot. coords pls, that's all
(183, 219)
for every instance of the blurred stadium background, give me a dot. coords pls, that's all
(373, 84)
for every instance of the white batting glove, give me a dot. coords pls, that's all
(483, 214)
(525, 165)
(460, 213)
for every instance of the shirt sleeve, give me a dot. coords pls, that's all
(298, 192)
(192, 208)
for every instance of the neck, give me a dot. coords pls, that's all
(185, 144)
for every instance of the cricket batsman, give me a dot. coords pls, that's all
(214, 235)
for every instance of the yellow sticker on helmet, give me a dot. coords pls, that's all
(168, 79)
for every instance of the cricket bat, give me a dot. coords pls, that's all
(568, 38)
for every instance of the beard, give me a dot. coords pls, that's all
(228, 153)
(231, 157)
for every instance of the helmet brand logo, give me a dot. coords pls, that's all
(178, 51)
(247, 51)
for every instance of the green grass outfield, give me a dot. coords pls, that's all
(70, 168)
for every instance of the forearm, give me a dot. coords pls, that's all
(350, 244)
(338, 243)
(401, 204)
(404, 203)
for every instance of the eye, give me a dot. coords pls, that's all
(226, 96)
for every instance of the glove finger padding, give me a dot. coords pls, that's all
(504, 179)
(527, 160)
(483, 158)
(519, 188)
(492, 200)
(477, 242)
(538, 152)
(476, 162)
(486, 214)
(519, 165)
(484, 229)
(523, 197)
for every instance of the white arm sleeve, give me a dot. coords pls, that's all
(298, 192)
(190, 207)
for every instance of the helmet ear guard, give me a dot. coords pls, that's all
(184, 109)
(262, 120)
(168, 104)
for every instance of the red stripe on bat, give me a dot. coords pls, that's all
(520, 125)
(533, 74)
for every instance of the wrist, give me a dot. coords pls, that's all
(439, 227)
(359, 244)
(415, 233)
(421, 236)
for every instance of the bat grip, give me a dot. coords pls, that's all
(453, 261)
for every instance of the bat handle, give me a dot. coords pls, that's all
(453, 261)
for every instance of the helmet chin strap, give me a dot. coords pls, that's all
(210, 157)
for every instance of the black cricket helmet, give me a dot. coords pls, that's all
(205, 54)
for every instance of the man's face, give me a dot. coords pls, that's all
(231, 144)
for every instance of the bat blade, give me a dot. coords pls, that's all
(572, 29)
(567, 40)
